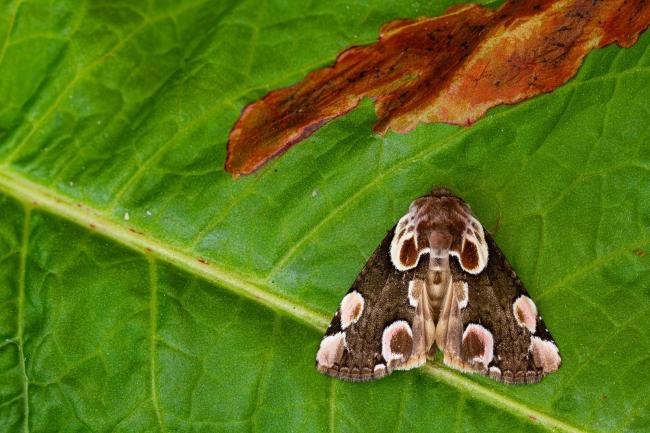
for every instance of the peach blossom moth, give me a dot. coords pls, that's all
(472, 306)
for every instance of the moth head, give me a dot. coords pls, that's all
(439, 224)
(441, 191)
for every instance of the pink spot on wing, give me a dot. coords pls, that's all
(397, 341)
(331, 349)
(525, 312)
(477, 345)
(351, 308)
(545, 354)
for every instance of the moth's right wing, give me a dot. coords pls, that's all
(492, 325)
(383, 323)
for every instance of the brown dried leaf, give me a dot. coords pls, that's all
(451, 69)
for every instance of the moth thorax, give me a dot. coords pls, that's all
(438, 281)
(440, 242)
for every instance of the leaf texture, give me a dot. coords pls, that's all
(143, 289)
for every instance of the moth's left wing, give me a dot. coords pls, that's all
(492, 325)
(383, 323)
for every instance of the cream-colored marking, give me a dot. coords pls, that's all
(351, 308)
(387, 336)
(403, 222)
(414, 293)
(331, 349)
(479, 242)
(397, 242)
(545, 354)
(444, 298)
(525, 312)
(486, 338)
(423, 326)
(463, 298)
(494, 371)
(379, 369)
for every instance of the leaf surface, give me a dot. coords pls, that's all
(143, 289)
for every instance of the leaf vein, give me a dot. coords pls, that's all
(10, 29)
(30, 192)
(153, 281)
(21, 315)
(266, 360)
(332, 402)
(80, 75)
(606, 342)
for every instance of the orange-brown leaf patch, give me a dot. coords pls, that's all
(451, 69)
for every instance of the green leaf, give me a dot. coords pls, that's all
(143, 289)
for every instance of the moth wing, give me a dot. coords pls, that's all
(492, 325)
(382, 323)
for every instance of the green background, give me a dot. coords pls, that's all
(203, 310)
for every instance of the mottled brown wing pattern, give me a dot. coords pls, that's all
(502, 334)
(373, 332)
(438, 277)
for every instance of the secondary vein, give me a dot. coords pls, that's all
(153, 281)
(21, 315)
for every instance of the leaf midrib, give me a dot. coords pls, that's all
(35, 196)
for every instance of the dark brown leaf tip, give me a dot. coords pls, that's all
(451, 69)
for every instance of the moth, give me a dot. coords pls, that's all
(438, 281)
